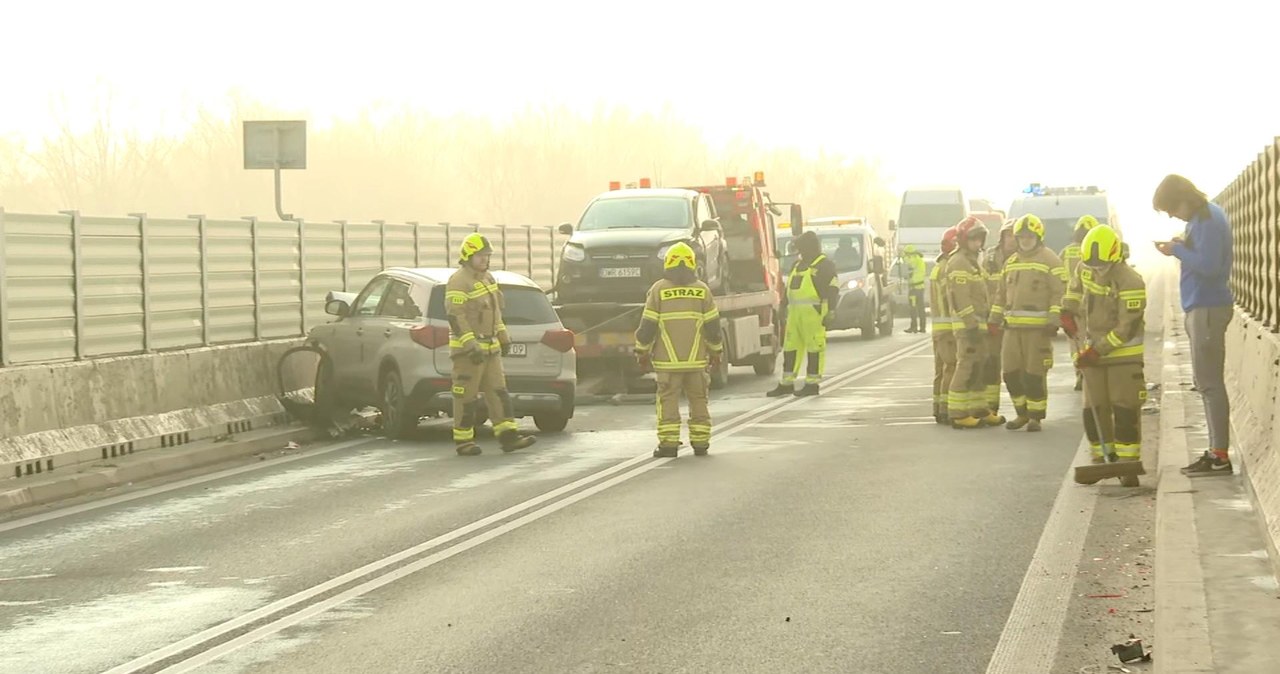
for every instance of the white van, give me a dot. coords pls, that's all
(926, 213)
(1060, 207)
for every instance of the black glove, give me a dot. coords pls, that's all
(506, 348)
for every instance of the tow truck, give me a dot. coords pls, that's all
(732, 223)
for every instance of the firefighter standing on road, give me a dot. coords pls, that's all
(944, 337)
(678, 337)
(915, 262)
(1071, 260)
(1112, 303)
(970, 304)
(477, 342)
(813, 291)
(993, 261)
(1030, 306)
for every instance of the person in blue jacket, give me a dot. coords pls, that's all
(1204, 253)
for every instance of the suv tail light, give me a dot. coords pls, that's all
(430, 336)
(560, 340)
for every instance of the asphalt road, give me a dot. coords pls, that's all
(842, 533)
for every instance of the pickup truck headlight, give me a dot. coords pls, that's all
(574, 253)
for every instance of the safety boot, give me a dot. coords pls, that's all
(700, 448)
(781, 390)
(1033, 426)
(993, 419)
(667, 450)
(1079, 380)
(1017, 424)
(808, 390)
(468, 448)
(966, 423)
(513, 440)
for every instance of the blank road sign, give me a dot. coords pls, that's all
(275, 144)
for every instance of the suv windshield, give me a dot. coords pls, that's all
(844, 250)
(638, 213)
(523, 306)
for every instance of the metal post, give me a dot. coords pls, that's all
(204, 277)
(448, 245)
(417, 243)
(302, 274)
(4, 297)
(382, 243)
(346, 272)
(528, 235)
(257, 278)
(77, 282)
(503, 230)
(143, 231)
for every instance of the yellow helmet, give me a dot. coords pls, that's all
(474, 243)
(1101, 245)
(1030, 223)
(909, 249)
(678, 255)
(1086, 222)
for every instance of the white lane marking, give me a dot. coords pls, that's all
(34, 576)
(165, 488)
(1029, 642)
(731, 427)
(175, 569)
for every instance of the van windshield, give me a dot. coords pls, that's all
(638, 213)
(930, 215)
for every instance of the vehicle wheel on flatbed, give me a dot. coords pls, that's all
(551, 422)
(886, 328)
(398, 421)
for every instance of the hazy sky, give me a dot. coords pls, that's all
(988, 94)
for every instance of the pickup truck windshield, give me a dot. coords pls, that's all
(638, 213)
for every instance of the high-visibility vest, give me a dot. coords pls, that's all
(805, 293)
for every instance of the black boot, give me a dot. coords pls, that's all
(513, 440)
(468, 448)
(700, 448)
(782, 390)
(667, 450)
(808, 390)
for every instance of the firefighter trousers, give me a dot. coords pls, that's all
(944, 367)
(991, 372)
(805, 334)
(967, 396)
(916, 298)
(693, 385)
(1115, 393)
(1027, 357)
(470, 381)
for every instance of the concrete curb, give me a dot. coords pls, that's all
(1182, 642)
(152, 464)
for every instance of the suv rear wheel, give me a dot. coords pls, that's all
(398, 421)
(551, 422)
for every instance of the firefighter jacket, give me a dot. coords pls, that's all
(679, 327)
(944, 324)
(966, 291)
(1033, 288)
(1071, 258)
(915, 262)
(814, 283)
(473, 303)
(1111, 307)
(993, 269)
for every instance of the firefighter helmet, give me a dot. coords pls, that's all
(1029, 223)
(1101, 246)
(971, 227)
(949, 240)
(473, 244)
(909, 249)
(680, 255)
(1086, 222)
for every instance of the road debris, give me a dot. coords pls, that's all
(1131, 650)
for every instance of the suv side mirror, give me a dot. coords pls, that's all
(878, 241)
(797, 220)
(893, 225)
(338, 308)
(565, 228)
(710, 226)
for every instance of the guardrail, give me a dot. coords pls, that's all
(75, 287)
(1252, 202)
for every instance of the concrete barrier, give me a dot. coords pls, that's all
(1253, 381)
(55, 416)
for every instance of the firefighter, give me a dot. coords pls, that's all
(1071, 260)
(944, 338)
(1030, 306)
(679, 338)
(1111, 325)
(993, 267)
(914, 260)
(477, 342)
(813, 291)
(966, 289)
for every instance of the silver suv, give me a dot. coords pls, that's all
(389, 348)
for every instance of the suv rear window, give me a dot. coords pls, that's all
(525, 306)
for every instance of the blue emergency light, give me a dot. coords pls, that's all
(1034, 188)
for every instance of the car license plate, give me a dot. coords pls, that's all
(620, 272)
(518, 350)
